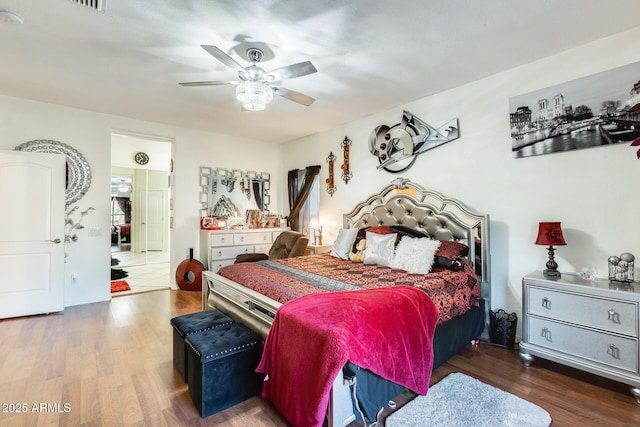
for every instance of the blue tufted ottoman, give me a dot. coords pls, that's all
(188, 324)
(221, 367)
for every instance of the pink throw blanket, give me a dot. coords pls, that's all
(388, 331)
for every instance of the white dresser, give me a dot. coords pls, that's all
(220, 247)
(588, 325)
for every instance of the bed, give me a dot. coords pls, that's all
(406, 208)
(124, 233)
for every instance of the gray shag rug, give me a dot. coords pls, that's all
(459, 400)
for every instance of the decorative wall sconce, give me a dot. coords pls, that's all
(331, 187)
(346, 173)
(245, 187)
(229, 180)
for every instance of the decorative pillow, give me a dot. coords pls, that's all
(407, 231)
(344, 242)
(449, 253)
(415, 255)
(378, 229)
(380, 248)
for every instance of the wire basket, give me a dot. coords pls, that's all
(502, 328)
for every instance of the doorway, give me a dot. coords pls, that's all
(140, 211)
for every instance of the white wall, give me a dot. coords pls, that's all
(593, 192)
(23, 120)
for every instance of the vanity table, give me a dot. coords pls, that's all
(220, 247)
(590, 325)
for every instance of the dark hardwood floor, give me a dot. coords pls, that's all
(110, 364)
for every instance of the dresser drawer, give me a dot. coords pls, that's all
(229, 252)
(252, 238)
(263, 249)
(222, 240)
(595, 312)
(612, 350)
(218, 264)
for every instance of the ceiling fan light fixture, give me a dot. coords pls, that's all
(123, 187)
(254, 95)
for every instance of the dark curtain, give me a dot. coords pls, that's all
(258, 193)
(125, 205)
(299, 191)
(293, 187)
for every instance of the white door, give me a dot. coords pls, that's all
(155, 220)
(151, 220)
(32, 202)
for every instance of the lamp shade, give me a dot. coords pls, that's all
(550, 234)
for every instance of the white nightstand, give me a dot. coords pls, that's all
(319, 249)
(588, 325)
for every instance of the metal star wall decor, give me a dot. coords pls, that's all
(398, 146)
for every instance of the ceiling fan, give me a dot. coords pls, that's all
(255, 87)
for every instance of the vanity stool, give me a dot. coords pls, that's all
(188, 324)
(221, 367)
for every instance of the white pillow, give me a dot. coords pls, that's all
(344, 243)
(380, 248)
(415, 255)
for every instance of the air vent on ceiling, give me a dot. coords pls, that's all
(99, 5)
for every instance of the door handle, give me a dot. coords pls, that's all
(56, 241)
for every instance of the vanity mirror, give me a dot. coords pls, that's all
(231, 192)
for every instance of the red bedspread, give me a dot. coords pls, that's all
(388, 331)
(453, 292)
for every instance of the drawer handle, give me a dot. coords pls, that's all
(614, 351)
(222, 240)
(242, 238)
(219, 253)
(546, 333)
(613, 316)
(546, 302)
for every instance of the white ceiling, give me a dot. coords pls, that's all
(371, 55)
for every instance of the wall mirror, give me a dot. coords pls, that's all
(78, 169)
(231, 192)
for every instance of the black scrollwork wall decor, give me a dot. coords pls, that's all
(78, 169)
(331, 186)
(398, 146)
(346, 172)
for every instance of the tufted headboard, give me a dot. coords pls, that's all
(408, 204)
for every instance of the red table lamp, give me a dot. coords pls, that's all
(550, 234)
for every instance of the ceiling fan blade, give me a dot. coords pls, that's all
(294, 96)
(209, 83)
(222, 57)
(293, 70)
